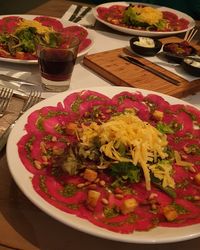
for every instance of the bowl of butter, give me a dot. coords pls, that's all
(145, 46)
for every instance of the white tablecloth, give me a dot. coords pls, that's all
(82, 77)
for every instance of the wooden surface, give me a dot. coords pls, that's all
(23, 226)
(119, 72)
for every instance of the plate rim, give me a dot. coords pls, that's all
(143, 32)
(30, 17)
(25, 185)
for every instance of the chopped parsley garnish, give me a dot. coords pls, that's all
(69, 190)
(125, 171)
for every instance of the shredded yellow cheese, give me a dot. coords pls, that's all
(23, 24)
(148, 14)
(180, 162)
(163, 171)
(143, 142)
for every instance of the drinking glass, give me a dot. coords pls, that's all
(56, 64)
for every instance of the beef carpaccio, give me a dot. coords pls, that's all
(127, 163)
(142, 17)
(19, 37)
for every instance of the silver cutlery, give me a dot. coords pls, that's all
(5, 97)
(78, 18)
(15, 79)
(75, 13)
(33, 98)
(134, 61)
(20, 85)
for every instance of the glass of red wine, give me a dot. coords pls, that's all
(56, 64)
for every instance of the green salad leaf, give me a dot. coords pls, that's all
(125, 171)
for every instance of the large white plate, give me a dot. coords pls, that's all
(22, 178)
(143, 32)
(65, 24)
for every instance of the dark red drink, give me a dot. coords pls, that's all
(56, 64)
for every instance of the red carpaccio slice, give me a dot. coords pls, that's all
(24, 152)
(50, 22)
(85, 43)
(80, 32)
(114, 11)
(175, 21)
(45, 120)
(157, 102)
(102, 12)
(87, 103)
(9, 24)
(75, 30)
(48, 130)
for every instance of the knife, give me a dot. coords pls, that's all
(75, 13)
(22, 87)
(155, 72)
(76, 20)
(16, 80)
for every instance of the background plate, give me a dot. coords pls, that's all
(65, 24)
(144, 32)
(22, 178)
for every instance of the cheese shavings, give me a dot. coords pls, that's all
(147, 14)
(24, 24)
(143, 143)
(163, 171)
(180, 162)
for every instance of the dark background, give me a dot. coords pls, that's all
(18, 6)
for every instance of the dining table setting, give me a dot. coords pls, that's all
(94, 69)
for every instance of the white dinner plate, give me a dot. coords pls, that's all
(23, 180)
(145, 32)
(65, 24)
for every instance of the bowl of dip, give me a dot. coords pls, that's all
(145, 46)
(192, 66)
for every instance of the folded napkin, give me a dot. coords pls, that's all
(88, 19)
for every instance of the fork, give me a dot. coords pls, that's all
(5, 97)
(33, 98)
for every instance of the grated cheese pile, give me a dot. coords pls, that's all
(147, 14)
(23, 24)
(143, 142)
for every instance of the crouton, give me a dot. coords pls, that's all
(197, 179)
(158, 115)
(92, 198)
(170, 213)
(90, 175)
(128, 206)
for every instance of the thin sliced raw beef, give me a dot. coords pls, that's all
(52, 147)
(50, 22)
(8, 24)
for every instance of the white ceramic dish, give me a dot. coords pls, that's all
(65, 24)
(22, 178)
(144, 32)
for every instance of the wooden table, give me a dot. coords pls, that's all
(24, 226)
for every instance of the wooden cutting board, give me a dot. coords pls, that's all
(122, 73)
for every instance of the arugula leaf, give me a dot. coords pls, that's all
(164, 128)
(125, 171)
(168, 190)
